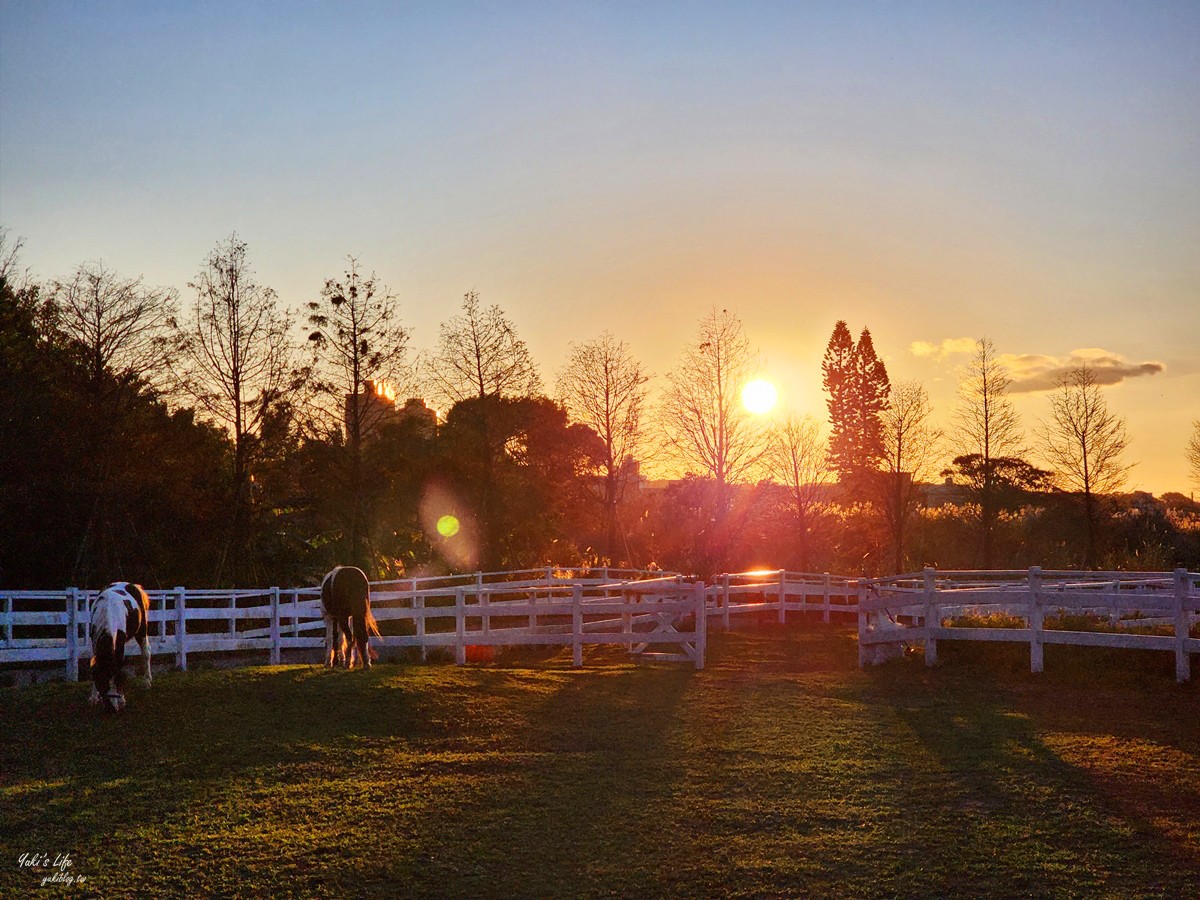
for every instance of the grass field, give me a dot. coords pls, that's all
(780, 769)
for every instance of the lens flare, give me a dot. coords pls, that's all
(447, 526)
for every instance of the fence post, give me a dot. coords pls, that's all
(626, 618)
(862, 623)
(782, 597)
(825, 589)
(701, 623)
(1183, 665)
(8, 620)
(485, 614)
(233, 616)
(72, 634)
(181, 628)
(276, 655)
(577, 625)
(725, 597)
(1036, 616)
(933, 617)
(418, 605)
(460, 626)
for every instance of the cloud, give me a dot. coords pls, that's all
(1032, 372)
(948, 347)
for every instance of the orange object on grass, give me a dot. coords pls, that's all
(480, 653)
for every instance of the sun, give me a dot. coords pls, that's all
(759, 396)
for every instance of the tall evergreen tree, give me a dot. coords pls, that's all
(870, 398)
(838, 371)
(857, 383)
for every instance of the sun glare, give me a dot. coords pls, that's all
(759, 396)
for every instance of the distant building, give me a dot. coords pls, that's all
(416, 410)
(377, 407)
(945, 494)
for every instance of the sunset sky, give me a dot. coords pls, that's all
(933, 171)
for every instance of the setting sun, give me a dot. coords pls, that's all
(759, 396)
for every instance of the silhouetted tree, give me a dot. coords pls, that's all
(911, 446)
(1193, 453)
(798, 459)
(123, 327)
(480, 355)
(359, 356)
(520, 466)
(1008, 480)
(604, 388)
(123, 333)
(238, 365)
(987, 430)
(1084, 442)
(837, 369)
(702, 415)
(857, 383)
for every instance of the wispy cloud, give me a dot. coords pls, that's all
(1033, 372)
(948, 347)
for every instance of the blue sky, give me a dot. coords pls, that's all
(934, 171)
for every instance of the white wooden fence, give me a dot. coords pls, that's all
(937, 606)
(649, 613)
(658, 616)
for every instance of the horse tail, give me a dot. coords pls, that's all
(372, 625)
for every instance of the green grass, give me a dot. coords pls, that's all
(781, 769)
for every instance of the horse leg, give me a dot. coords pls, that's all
(94, 698)
(144, 644)
(343, 640)
(118, 679)
(330, 647)
(360, 640)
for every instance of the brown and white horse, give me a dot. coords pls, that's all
(346, 600)
(120, 613)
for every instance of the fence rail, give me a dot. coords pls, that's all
(654, 614)
(633, 609)
(1014, 607)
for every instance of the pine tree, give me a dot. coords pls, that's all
(838, 371)
(858, 387)
(870, 400)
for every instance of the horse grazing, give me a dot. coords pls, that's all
(120, 613)
(346, 599)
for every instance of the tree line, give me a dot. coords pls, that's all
(194, 439)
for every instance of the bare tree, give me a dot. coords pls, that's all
(604, 387)
(126, 337)
(911, 448)
(702, 416)
(124, 328)
(798, 459)
(480, 355)
(359, 357)
(1193, 453)
(238, 364)
(10, 258)
(1084, 443)
(986, 428)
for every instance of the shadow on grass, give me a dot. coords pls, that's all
(577, 810)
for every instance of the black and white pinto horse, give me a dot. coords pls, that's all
(120, 613)
(346, 606)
